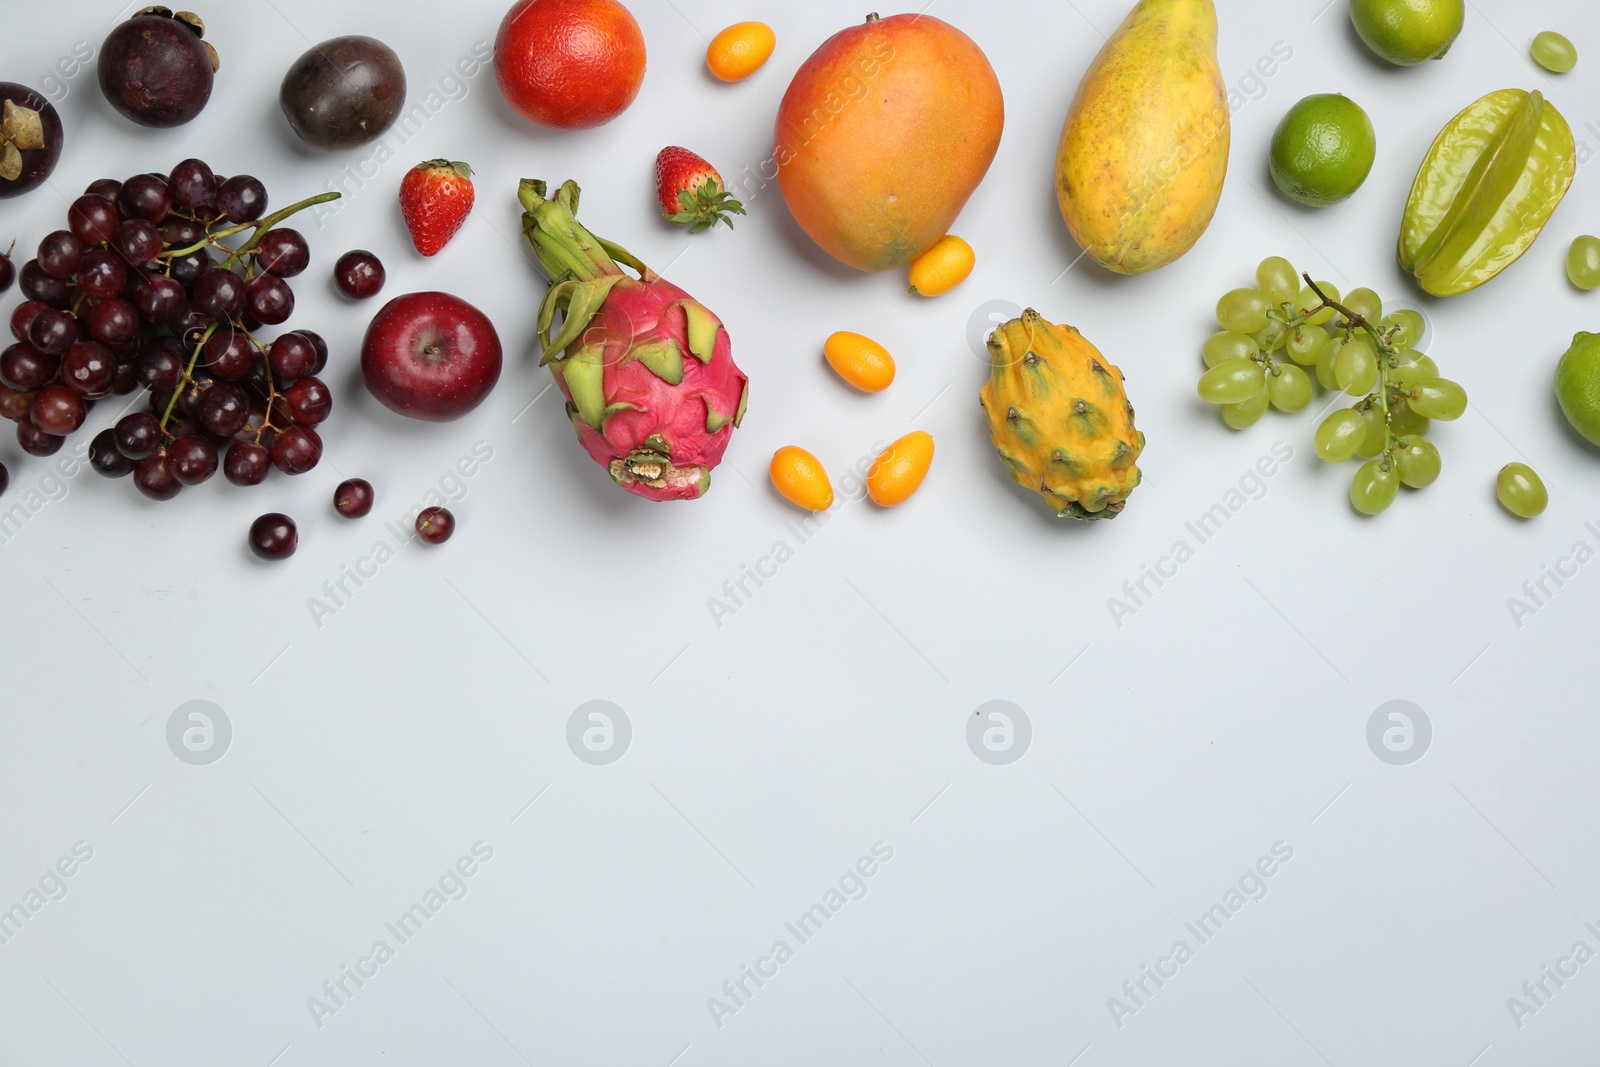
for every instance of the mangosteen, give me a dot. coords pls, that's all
(30, 139)
(343, 93)
(155, 69)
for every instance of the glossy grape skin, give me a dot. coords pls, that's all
(1245, 413)
(309, 401)
(105, 459)
(223, 409)
(154, 478)
(283, 252)
(1521, 491)
(1437, 398)
(1554, 52)
(1242, 310)
(274, 537)
(1374, 487)
(320, 345)
(1324, 368)
(292, 356)
(193, 458)
(1304, 344)
(138, 240)
(1417, 461)
(60, 252)
(14, 405)
(354, 498)
(159, 367)
(58, 410)
(1289, 388)
(1277, 281)
(24, 368)
(1377, 435)
(1339, 436)
(1366, 303)
(435, 525)
(229, 355)
(1226, 345)
(242, 198)
(359, 274)
(1232, 381)
(89, 369)
(137, 435)
(47, 289)
(269, 299)
(93, 219)
(193, 186)
(113, 321)
(219, 294)
(296, 450)
(246, 463)
(1412, 327)
(144, 196)
(1583, 263)
(1355, 367)
(102, 274)
(159, 299)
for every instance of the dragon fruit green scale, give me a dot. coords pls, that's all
(647, 370)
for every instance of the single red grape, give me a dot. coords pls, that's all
(284, 252)
(193, 458)
(435, 525)
(35, 442)
(58, 410)
(359, 274)
(274, 537)
(246, 463)
(353, 498)
(154, 478)
(296, 450)
(105, 457)
(137, 434)
(309, 401)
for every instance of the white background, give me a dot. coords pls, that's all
(828, 713)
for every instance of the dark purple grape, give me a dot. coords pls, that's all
(90, 370)
(190, 325)
(159, 299)
(186, 270)
(126, 380)
(160, 368)
(179, 232)
(138, 240)
(22, 318)
(242, 198)
(246, 463)
(188, 401)
(106, 459)
(144, 196)
(269, 299)
(283, 252)
(223, 409)
(359, 274)
(25, 368)
(46, 288)
(59, 254)
(58, 410)
(106, 187)
(102, 275)
(296, 450)
(320, 345)
(353, 498)
(138, 435)
(193, 458)
(53, 332)
(35, 442)
(93, 219)
(14, 405)
(229, 354)
(113, 321)
(220, 294)
(274, 537)
(292, 356)
(435, 525)
(154, 478)
(309, 401)
(193, 186)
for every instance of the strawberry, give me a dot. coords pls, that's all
(691, 191)
(435, 198)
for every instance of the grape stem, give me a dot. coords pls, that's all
(261, 227)
(188, 375)
(1386, 351)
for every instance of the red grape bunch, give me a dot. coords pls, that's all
(144, 290)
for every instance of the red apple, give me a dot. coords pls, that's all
(431, 356)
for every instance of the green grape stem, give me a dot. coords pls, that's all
(188, 375)
(1386, 350)
(261, 226)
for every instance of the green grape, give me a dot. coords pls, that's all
(1305, 344)
(1278, 282)
(1374, 487)
(1289, 388)
(1583, 263)
(1308, 300)
(1366, 303)
(1340, 435)
(1554, 52)
(1272, 336)
(1402, 420)
(1325, 360)
(1232, 381)
(1521, 491)
(1377, 435)
(1412, 366)
(1244, 310)
(1417, 461)
(1355, 368)
(1228, 345)
(1438, 398)
(1245, 413)
(1411, 327)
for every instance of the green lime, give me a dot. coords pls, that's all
(1406, 32)
(1323, 149)
(1578, 385)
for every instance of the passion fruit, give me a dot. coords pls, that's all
(343, 93)
(30, 139)
(155, 70)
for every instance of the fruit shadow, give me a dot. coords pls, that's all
(801, 244)
(1022, 499)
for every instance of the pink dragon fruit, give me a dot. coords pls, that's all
(647, 371)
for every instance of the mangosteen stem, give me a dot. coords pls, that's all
(261, 227)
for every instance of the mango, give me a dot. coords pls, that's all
(882, 136)
(1144, 151)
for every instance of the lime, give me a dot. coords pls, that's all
(1323, 149)
(1406, 32)
(1578, 385)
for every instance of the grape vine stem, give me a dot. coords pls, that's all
(1386, 351)
(261, 226)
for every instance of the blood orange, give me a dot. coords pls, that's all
(570, 64)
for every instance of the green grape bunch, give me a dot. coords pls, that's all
(1282, 341)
